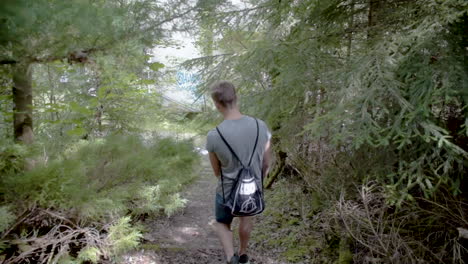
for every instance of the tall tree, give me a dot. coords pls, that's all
(23, 102)
(44, 31)
(356, 91)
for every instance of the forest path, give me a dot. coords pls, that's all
(188, 236)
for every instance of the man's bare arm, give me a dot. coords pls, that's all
(266, 159)
(215, 164)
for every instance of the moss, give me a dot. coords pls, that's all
(261, 237)
(157, 247)
(296, 254)
(176, 249)
(316, 202)
(297, 241)
(345, 255)
(275, 242)
(152, 247)
(294, 221)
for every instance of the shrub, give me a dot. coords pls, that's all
(12, 157)
(80, 203)
(420, 232)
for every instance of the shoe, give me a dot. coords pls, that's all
(234, 260)
(244, 259)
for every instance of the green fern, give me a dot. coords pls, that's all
(123, 237)
(91, 254)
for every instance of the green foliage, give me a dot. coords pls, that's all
(346, 257)
(91, 254)
(122, 236)
(156, 66)
(175, 202)
(402, 91)
(105, 168)
(356, 92)
(95, 187)
(154, 198)
(6, 218)
(92, 77)
(82, 102)
(288, 226)
(53, 29)
(92, 74)
(12, 157)
(6, 115)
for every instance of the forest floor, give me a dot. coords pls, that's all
(188, 236)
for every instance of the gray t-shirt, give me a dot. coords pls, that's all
(240, 134)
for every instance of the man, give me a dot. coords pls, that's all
(240, 132)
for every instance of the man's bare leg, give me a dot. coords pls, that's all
(225, 235)
(245, 227)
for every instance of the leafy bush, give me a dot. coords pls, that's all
(12, 157)
(85, 195)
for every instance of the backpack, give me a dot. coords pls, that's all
(245, 198)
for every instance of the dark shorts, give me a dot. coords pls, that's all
(222, 213)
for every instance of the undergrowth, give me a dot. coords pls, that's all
(82, 204)
(313, 221)
(291, 226)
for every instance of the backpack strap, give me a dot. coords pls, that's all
(255, 145)
(234, 153)
(229, 147)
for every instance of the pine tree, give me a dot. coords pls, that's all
(356, 92)
(45, 31)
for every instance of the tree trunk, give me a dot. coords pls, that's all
(99, 111)
(374, 6)
(22, 100)
(279, 168)
(100, 107)
(350, 29)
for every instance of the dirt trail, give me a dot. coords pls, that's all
(188, 236)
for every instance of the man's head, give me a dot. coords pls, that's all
(224, 94)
